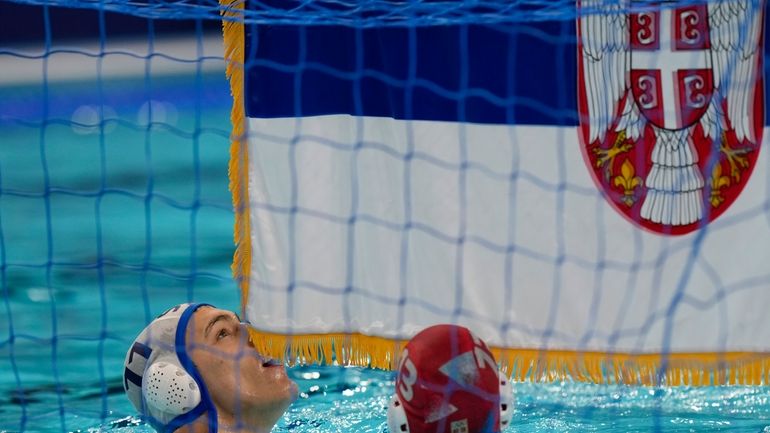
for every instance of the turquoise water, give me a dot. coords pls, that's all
(102, 228)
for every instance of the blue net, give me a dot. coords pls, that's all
(114, 201)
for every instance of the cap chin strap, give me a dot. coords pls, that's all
(204, 401)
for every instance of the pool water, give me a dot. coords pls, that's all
(103, 227)
(336, 399)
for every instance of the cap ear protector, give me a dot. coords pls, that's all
(169, 388)
(161, 380)
(397, 422)
(506, 401)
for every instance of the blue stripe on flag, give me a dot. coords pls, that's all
(526, 58)
(523, 73)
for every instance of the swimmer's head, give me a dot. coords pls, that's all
(448, 381)
(195, 366)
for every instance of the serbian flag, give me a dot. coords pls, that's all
(588, 195)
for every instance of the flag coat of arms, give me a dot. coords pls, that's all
(671, 104)
(587, 194)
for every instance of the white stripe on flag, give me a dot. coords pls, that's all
(611, 292)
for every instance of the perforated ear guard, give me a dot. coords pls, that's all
(168, 387)
(506, 401)
(397, 422)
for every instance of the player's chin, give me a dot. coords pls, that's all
(293, 390)
(289, 386)
(283, 393)
(277, 375)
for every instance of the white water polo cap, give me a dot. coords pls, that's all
(161, 380)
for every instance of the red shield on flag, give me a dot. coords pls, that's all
(671, 74)
(671, 108)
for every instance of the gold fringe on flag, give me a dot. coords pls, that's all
(233, 32)
(681, 369)
(691, 369)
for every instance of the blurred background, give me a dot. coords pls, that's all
(114, 141)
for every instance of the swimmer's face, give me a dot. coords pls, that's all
(239, 380)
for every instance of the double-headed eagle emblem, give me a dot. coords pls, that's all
(671, 103)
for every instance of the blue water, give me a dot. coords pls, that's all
(102, 227)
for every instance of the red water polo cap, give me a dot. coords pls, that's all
(448, 382)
